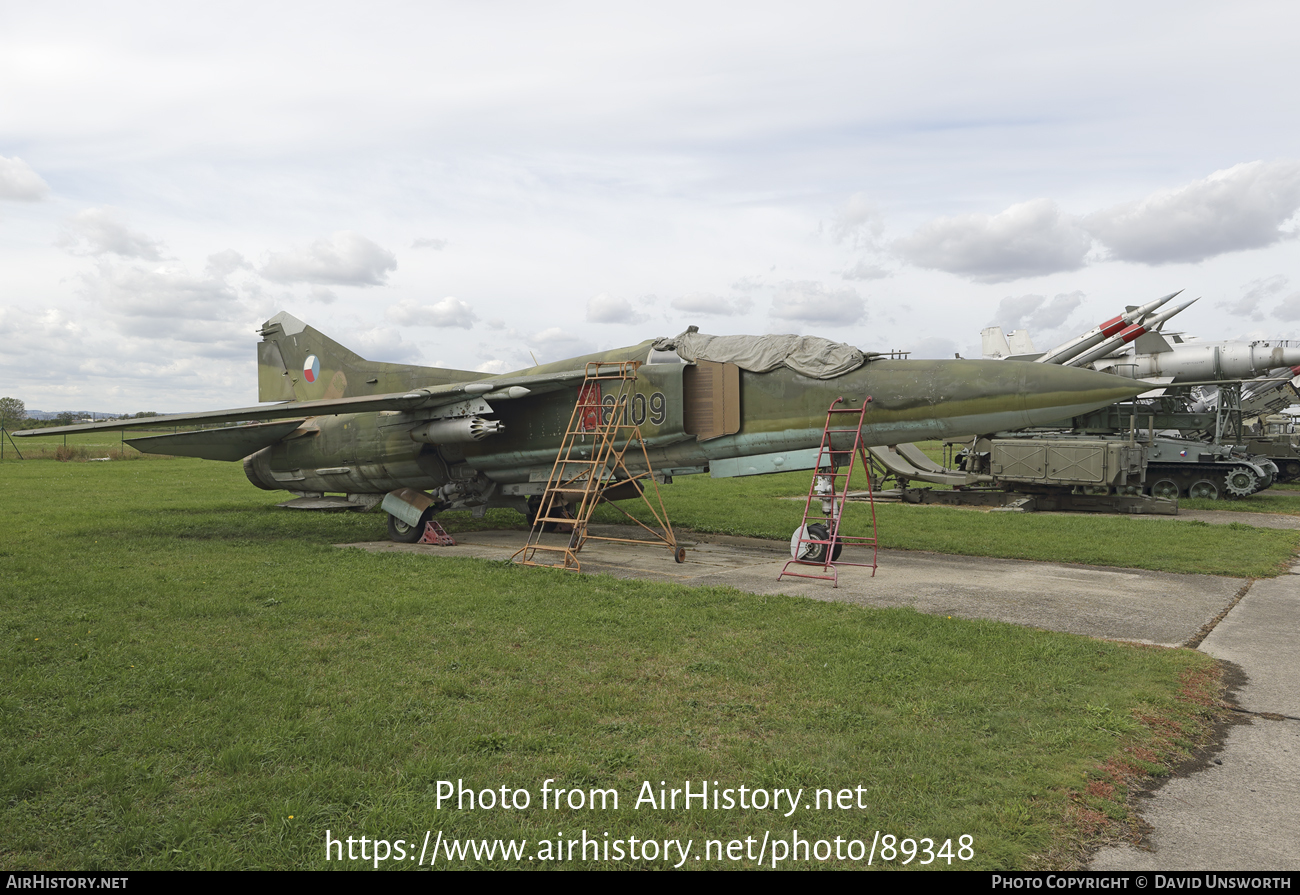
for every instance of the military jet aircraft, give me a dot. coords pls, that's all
(723, 405)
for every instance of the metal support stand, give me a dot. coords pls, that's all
(592, 462)
(4, 433)
(830, 487)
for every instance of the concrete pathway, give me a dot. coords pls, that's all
(1240, 812)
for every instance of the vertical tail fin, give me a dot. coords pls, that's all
(1020, 343)
(298, 363)
(994, 342)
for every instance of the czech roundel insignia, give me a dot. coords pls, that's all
(311, 368)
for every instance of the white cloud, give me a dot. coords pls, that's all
(97, 231)
(1253, 295)
(554, 335)
(858, 221)
(345, 259)
(18, 181)
(322, 295)
(45, 333)
(814, 303)
(606, 308)
(165, 292)
(713, 305)
(426, 242)
(1028, 239)
(935, 348)
(864, 270)
(135, 304)
(554, 344)
(223, 264)
(384, 343)
(450, 312)
(1288, 308)
(494, 366)
(1243, 207)
(1036, 312)
(748, 284)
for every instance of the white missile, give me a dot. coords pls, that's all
(1126, 335)
(1204, 361)
(1076, 346)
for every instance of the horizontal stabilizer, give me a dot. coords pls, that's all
(232, 443)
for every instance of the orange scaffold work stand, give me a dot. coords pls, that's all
(820, 543)
(593, 461)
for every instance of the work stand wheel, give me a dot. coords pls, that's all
(679, 554)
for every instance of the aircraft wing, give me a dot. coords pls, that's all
(493, 388)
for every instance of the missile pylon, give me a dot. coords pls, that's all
(1126, 335)
(1076, 346)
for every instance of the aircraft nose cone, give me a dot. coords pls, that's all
(956, 398)
(1052, 393)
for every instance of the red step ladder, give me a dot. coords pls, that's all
(818, 543)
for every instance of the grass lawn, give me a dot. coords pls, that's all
(1281, 499)
(196, 679)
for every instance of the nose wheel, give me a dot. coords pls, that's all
(804, 548)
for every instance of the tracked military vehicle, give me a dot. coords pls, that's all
(1195, 429)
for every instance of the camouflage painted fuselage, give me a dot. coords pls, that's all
(351, 426)
(781, 416)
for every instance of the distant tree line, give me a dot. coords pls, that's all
(12, 410)
(13, 415)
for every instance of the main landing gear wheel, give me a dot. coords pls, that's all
(803, 551)
(1203, 490)
(405, 533)
(1166, 488)
(679, 554)
(1242, 481)
(558, 509)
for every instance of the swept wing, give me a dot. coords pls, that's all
(495, 388)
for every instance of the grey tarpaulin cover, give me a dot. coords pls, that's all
(812, 356)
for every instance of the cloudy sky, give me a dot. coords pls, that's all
(463, 184)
